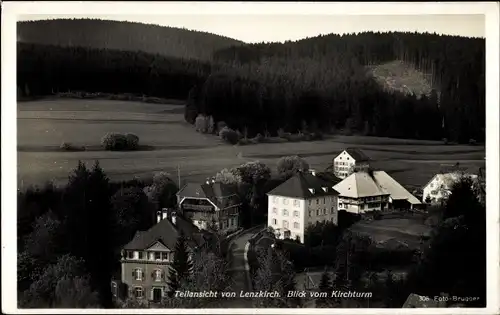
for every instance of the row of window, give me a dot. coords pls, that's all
(296, 202)
(319, 212)
(296, 225)
(138, 275)
(161, 256)
(138, 292)
(332, 199)
(285, 212)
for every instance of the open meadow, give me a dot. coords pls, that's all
(43, 125)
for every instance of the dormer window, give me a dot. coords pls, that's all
(325, 189)
(311, 190)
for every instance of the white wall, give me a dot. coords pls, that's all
(298, 213)
(436, 183)
(344, 204)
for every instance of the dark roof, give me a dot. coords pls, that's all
(298, 187)
(215, 192)
(166, 233)
(329, 177)
(357, 154)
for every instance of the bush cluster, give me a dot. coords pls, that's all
(120, 142)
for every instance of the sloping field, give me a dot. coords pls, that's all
(43, 125)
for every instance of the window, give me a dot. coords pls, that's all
(275, 221)
(296, 203)
(296, 213)
(140, 255)
(333, 210)
(324, 211)
(157, 275)
(136, 255)
(157, 255)
(285, 224)
(432, 185)
(310, 202)
(130, 255)
(138, 292)
(285, 201)
(324, 200)
(317, 211)
(164, 256)
(310, 213)
(295, 225)
(137, 274)
(341, 205)
(275, 211)
(285, 212)
(114, 289)
(317, 201)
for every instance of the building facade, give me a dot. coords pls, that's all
(299, 202)
(438, 188)
(371, 191)
(211, 205)
(349, 161)
(146, 260)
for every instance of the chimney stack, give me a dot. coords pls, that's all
(174, 218)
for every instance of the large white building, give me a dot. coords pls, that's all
(348, 161)
(300, 201)
(438, 188)
(368, 191)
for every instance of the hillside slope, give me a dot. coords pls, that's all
(128, 36)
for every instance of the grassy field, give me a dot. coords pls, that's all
(44, 124)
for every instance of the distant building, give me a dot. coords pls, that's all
(350, 160)
(302, 200)
(438, 188)
(146, 258)
(370, 191)
(211, 205)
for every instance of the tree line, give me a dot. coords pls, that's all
(124, 35)
(321, 82)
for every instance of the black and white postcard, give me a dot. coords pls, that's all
(250, 157)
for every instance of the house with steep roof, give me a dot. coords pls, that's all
(302, 200)
(438, 187)
(370, 191)
(146, 258)
(350, 160)
(211, 205)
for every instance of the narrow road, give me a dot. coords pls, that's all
(240, 274)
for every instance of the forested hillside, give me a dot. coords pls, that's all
(323, 79)
(128, 36)
(322, 82)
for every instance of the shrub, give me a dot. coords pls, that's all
(221, 125)
(229, 135)
(201, 123)
(120, 142)
(66, 146)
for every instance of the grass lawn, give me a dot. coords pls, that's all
(44, 124)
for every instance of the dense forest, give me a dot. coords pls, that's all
(322, 82)
(128, 36)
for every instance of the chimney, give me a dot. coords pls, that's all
(174, 218)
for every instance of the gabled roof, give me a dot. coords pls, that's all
(356, 154)
(298, 187)
(379, 183)
(217, 193)
(166, 234)
(392, 187)
(359, 184)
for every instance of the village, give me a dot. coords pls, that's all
(372, 201)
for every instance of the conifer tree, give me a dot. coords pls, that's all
(325, 285)
(181, 268)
